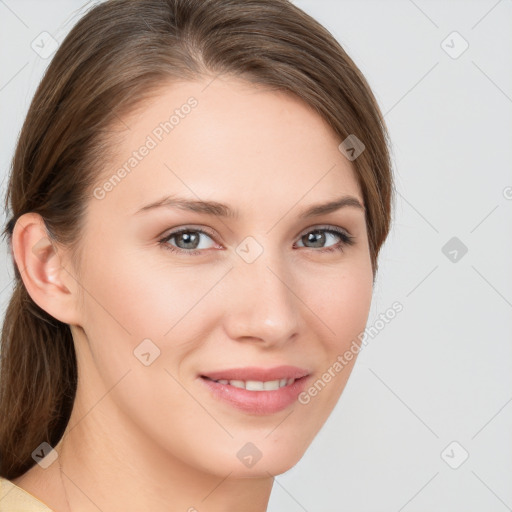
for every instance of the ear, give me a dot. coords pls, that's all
(40, 262)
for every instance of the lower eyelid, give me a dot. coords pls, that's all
(345, 239)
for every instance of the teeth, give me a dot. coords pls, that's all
(257, 385)
(270, 385)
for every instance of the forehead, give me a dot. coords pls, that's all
(227, 140)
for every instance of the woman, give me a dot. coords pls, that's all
(197, 202)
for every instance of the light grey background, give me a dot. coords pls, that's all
(441, 370)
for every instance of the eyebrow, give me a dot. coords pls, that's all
(222, 210)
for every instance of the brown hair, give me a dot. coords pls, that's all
(117, 55)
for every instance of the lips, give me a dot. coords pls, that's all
(252, 373)
(257, 390)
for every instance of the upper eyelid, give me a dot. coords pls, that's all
(210, 232)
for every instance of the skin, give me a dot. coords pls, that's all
(156, 428)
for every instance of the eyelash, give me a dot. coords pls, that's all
(346, 240)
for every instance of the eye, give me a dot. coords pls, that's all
(319, 236)
(187, 240)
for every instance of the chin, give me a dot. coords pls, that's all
(276, 458)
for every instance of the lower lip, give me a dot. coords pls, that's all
(257, 402)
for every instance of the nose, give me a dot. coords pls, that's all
(262, 306)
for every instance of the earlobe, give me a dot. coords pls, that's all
(40, 265)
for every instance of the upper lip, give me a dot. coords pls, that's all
(258, 374)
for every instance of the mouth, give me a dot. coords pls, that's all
(257, 390)
(255, 385)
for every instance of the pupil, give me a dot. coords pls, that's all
(317, 237)
(189, 239)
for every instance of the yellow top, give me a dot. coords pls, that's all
(16, 499)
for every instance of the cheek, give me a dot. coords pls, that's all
(341, 302)
(341, 299)
(135, 296)
(137, 292)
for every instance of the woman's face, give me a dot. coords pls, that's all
(262, 286)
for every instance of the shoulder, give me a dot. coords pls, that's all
(16, 499)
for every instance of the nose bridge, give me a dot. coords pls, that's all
(262, 304)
